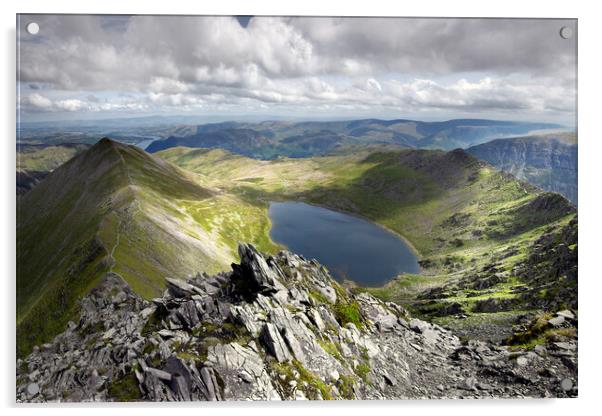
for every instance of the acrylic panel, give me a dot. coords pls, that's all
(293, 208)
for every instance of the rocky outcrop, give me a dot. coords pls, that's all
(513, 285)
(275, 328)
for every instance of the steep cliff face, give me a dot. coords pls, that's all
(549, 162)
(275, 328)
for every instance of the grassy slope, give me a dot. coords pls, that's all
(54, 270)
(115, 208)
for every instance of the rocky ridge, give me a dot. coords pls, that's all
(274, 328)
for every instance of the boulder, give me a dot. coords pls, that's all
(557, 321)
(210, 386)
(566, 314)
(274, 343)
(386, 323)
(316, 319)
(180, 388)
(33, 389)
(156, 389)
(430, 336)
(188, 314)
(293, 345)
(566, 384)
(469, 383)
(418, 325)
(159, 374)
(179, 288)
(176, 367)
(328, 292)
(522, 361)
(255, 272)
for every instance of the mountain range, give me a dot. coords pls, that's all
(271, 139)
(546, 160)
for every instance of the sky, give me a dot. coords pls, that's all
(103, 66)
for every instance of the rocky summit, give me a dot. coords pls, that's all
(277, 328)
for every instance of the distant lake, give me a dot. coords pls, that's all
(144, 143)
(348, 246)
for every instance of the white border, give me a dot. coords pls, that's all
(590, 201)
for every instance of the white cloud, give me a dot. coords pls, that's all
(86, 103)
(373, 85)
(167, 85)
(417, 95)
(39, 101)
(70, 105)
(169, 62)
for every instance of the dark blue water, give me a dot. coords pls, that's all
(349, 247)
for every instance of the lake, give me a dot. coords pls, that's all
(350, 247)
(145, 143)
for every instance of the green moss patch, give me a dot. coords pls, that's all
(125, 389)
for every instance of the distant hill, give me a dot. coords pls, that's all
(546, 161)
(271, 139)
(45, 157)
(240, 140)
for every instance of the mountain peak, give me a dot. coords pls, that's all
(105, 140)
(108, 142)
(71, 230)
